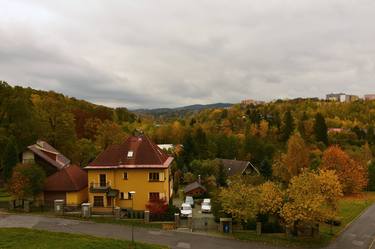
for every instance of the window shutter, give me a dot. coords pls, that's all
(161, 176)
(161, 195)
(126, 195)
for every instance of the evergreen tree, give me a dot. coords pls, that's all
(370, 134)
(301, 125)
(288, 126)
(320, 129)
(10, 159)
(222, 175)
(201, 143)
(265, 169)
(371, 177)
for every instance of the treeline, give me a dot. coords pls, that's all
(77, 128)
(261, 133)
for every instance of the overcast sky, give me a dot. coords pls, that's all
(167, 53)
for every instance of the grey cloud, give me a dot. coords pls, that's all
(172, 53)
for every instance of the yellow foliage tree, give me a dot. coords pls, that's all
(312, 198)
(240, 200)
(297, 156)
(270, 198)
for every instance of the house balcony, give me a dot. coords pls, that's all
(99, 187)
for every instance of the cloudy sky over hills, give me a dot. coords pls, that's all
(165, 53)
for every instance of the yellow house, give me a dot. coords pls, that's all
(137, 165)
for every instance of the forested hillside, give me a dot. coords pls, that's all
(80, 129)
(77, 128)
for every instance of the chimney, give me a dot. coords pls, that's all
(199, 179)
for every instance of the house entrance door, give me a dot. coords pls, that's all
(109, 201)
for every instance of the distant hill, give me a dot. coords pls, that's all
(180, 111)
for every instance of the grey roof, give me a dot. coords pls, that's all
(236, 167)
(193, 186)
(47, 152)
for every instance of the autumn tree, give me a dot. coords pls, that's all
(157, 208)
(270, 199)
(240, 200)
(351, 174)
(312, 198)
(320, 129)
(297, 156)
(109, 133)
(27, 181)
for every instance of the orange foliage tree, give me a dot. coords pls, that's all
(352, 175)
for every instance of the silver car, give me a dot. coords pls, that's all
(206, 206)
(189, 200)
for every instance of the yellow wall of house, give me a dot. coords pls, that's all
(138, 181)
(76, 198)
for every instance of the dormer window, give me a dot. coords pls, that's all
(130, 154)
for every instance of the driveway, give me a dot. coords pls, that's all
(173, 239)
(360, 234)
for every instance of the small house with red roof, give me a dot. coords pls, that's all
(132, 173)
(64, 181)
(68, 184)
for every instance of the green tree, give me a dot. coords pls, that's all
(10, 159)
(55, 121)
(371, 177)
(301, 125)
(288, 126)
(27, 181)
(320, 129)
(370, 134)
(85, 152)
(265, 169)
(201, 143)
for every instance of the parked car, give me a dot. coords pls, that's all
(186, 210)
(189, 200)
(206, 206)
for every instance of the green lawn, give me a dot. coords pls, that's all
(15, 238)
(4, 195)
(349, 209)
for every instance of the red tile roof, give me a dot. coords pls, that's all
(146, 154)
(49, 154)
(70, 178)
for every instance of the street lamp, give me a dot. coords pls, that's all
(132, 193)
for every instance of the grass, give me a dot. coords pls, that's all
(4, 195)
(349, 208)
(14, 238)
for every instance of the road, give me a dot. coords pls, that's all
(360, 234)
(173, 239)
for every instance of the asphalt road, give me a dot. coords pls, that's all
(360, 234)
(173, 239)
